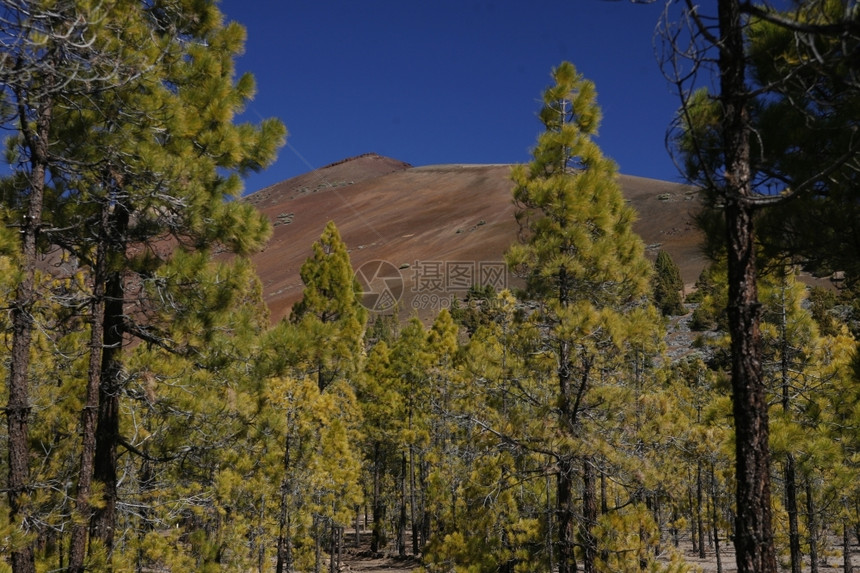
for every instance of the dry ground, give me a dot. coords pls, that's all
(360, 559)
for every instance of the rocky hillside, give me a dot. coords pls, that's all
(420, 235)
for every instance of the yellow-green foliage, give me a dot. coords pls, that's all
(629, 540)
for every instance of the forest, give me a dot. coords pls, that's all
(156, 420)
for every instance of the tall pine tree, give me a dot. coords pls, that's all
(583, 263)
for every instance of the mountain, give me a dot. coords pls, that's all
(420, 235)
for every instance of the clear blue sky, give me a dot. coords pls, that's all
(448, 81)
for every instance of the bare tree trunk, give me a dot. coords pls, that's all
(89, 415)
(18, 405)
(754, 544)
(789, 471)
(357, 532)
(549, 528)
(103, 522)
(846, 547)
(693, 520)
(700, 519)
(401, 525)
(714, 522)
(377, 536)
(564, 511)
(589, 517)
(284, 558)
(812, 528)
(413, 503)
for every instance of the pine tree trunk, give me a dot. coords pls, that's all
(789, 472)
(103, 522)
(146, 485)
(676, 534)
(425, 515)
(284, 561)
(604, 502)
(564, 512)
(812, 528)
(401, 524)
(357, 532)
(700, 519)
(377, 536)
(589, 517)
(18, 407)
(89, 415)
(568, 412)
(714, 523)
(846, 547)
(550, 551)
(754, 544)
(413, 504)
(791, 507)
(18, 404)
(317, 545)
(693, 520)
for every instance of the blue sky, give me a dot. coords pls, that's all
(448, 81)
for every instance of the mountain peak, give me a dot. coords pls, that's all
(434, 230)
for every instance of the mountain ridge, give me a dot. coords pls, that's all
(432, 230)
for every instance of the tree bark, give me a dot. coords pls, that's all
(790, 475)
(567, 424)
(589, 516)
(789, 471)
(700, 520)
(377, 536)
(714, 523)
(284, 555)
(401, 524)
(754, 545)
(564, 512)
(18, 406)
(812, 528)
(103, 522)
(89, 415)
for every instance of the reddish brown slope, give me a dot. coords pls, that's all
(449, 220)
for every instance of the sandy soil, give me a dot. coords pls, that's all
(360, 559)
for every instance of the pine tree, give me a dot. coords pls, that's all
(581, 259)
(43, 64)
(145, 153)
(330, 308)
(322, 342)
(668, 286)
(383, 410)
(786, 75)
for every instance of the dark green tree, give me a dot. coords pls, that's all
(145, 161)
(45, 66)
(727, 151)
(668, 286)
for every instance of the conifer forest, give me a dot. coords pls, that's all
(156, 419)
